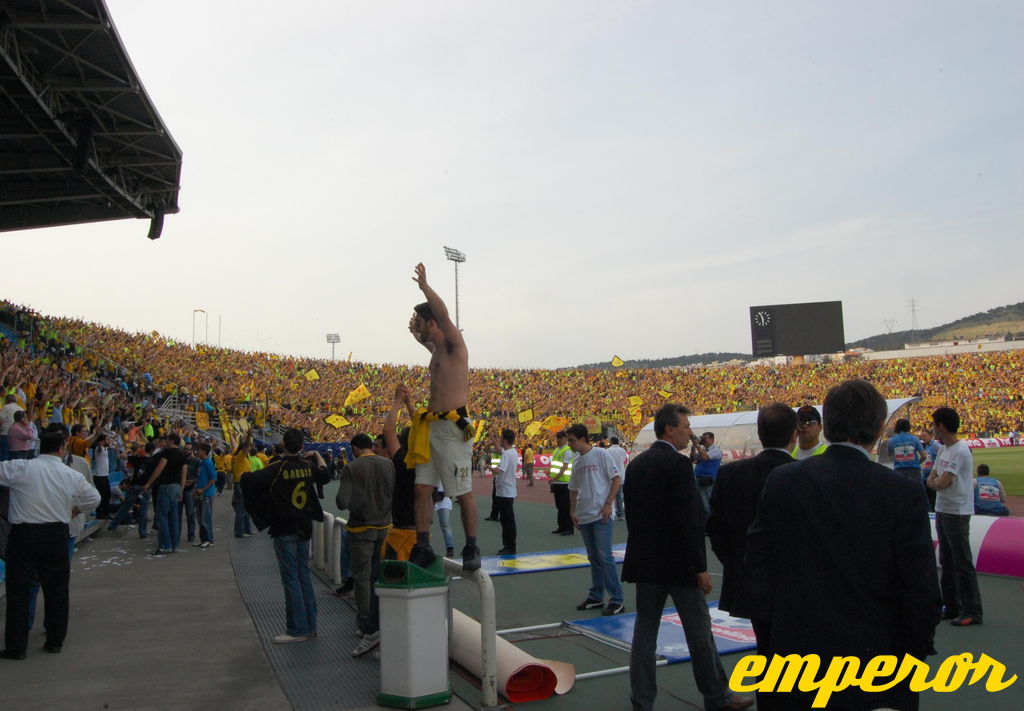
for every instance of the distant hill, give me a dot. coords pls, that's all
(1000, 322)
(696, 359)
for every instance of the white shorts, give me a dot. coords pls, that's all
(451, 456)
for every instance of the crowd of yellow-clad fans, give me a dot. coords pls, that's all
(335, 400)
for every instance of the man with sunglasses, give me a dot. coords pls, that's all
(808, 432)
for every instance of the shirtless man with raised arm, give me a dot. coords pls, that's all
(451, 441)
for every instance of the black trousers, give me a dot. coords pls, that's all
(102, 484)
(494, 499)
(561, 492)
(958, 581)
(507, 516)
(37, 551)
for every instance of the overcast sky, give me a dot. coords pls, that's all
(624, 177)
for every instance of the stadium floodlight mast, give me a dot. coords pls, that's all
(205, 316)
(333, 338)
(454, 255)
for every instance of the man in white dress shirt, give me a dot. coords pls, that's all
(45, 494)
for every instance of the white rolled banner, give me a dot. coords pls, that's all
(521, 676)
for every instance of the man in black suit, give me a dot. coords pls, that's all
(665, 556)
(733, 505)
(840, 553)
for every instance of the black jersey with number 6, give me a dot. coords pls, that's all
(283, 496)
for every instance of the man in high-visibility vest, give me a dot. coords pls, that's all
(559, 474)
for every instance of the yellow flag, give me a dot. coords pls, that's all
(617, 362)
(636, 400)
(480, 425)
(554, 423)
(225, 427)
(312, 375)
(635, 415)
(621, 374)
(357, 395)
(336, 421)
(532, 429)
(202, 421)
(665, 392)
(526, 415)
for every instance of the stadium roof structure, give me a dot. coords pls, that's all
(80, 140)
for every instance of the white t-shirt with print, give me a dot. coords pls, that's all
(958, 497)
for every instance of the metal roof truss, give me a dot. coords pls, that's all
(80, 141)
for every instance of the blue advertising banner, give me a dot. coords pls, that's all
(732, 634)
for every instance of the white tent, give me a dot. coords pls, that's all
(736, 432)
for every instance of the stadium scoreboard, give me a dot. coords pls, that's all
(797, 329)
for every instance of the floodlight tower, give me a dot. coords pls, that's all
(333, 338)
(454, 255)
(205, 316)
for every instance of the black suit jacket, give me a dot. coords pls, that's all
(733, 505)
(841, 553)
(664, 519)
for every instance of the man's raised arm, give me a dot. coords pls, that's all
(444, 320)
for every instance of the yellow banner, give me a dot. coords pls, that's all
(636, 415)
(312, 375)
(532, 429)
(665, 393)
(202, 421)
(526, 415)
(636, 400)
(593, 423)
(357, 395)
(617, 362)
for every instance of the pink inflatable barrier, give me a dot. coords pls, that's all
(997, 543)
(990, 442)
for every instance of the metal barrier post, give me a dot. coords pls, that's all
(488, 631)
(333, 569)
(317, 553)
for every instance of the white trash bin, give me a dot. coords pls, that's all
(413, 635)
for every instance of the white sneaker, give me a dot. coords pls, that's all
(288, 639)
(366, 644)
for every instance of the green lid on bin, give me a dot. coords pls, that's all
(405, 575)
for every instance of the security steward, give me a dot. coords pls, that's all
(45, 494)
(559, 475)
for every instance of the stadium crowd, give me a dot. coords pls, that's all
(76, 368)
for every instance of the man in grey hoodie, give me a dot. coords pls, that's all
(365, 487)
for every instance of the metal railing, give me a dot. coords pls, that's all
(325, 554)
